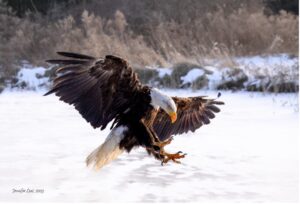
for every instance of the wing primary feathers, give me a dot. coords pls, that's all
(204, 119)
(189, 123)
(218, 102)
(66, 68)
(67, 76)
(66, 61)
(49, 92)
(199, 121)
(186, 123)
(213, 108)
(192, 123)
(209, 114)
(75, 55)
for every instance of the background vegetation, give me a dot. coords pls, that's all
(148, 32)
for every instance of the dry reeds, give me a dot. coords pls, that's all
(215, 34)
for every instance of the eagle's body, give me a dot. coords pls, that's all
(105, 90)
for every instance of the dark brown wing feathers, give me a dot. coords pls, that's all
(76, 55)
(99, 89)
(192, 113)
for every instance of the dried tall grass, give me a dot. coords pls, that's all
(216, 34)
(219, 35)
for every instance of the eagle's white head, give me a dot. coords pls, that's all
(161, 100)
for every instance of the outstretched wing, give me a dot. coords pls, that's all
(100, 89)
(192, 113)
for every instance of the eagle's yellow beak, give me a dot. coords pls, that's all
(173, 116)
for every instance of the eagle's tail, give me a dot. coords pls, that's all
(109, 150)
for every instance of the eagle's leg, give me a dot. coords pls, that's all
(157, 148)
(155, 153)
(162, 144)
(165, 156)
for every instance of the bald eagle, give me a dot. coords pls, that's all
(108, 90)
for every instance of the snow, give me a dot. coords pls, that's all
(34, 78)
(270, 65)
(249, 153)
(192, 75)
(214, 78)
(164, 71)
(268, 61)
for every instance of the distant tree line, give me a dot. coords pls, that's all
(275, 6)
(108, 7)
(42, 6)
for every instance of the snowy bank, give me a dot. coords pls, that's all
(29, 78)
(277, 73)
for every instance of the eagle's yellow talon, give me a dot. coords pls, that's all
(172, 157)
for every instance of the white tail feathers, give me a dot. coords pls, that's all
(109, 150)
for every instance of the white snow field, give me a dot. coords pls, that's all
(249, 153)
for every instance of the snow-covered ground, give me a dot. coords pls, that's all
(249, 153)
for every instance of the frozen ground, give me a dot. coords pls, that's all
(248, 153)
